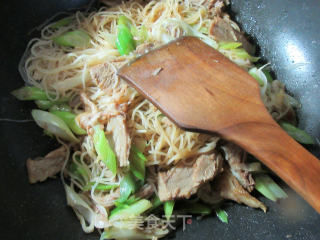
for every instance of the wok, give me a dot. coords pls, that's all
(287, 33)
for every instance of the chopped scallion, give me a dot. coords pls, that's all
(268, 188)
(229, 45)
(104, 150)
(53, 124)
(130, 211)
(137, 163)
(222, 215)
(62, 22)
(76, 38)
(168, 208)
(128, 185)
(29, 93)
(298, 134)
(69, 119)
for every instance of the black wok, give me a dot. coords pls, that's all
(288, 33)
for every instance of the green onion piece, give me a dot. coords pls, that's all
(125, 42)
(75, 38)
(229, 45)
(168, 208)
(29, 93)
(123, 20)
(126, 203)
(266, 73)
(104, 150)
(254, 73)
(49, 134)
(131, 211)
(69, 119)
(204, 30)
(62, 22)
(137, 163)
(156, 202)
(78, 170)
(60, 107)
(44, 104)
(241, 53)
(140, 34)
(53, 124)
(268, 188)
(298, 134)
(196, 208)
(100, 186)
(222, 215)
(128, 185)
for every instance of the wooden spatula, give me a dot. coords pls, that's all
(201, 90)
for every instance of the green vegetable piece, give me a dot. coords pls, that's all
(140, 35)
(196, 208)
(78, 170)
(126, 203)
(137, 163)
(253, 73)
(266, 73)
(49, 134)
(168, 208)
(44, 104)
(29, 93)
(60, 107)
(241, 53)
(104, 150)
(204, 30)
(298, 134)
(268, 188)
(53, 124)
(100, 186)
(128, 186)
(131, 211)
(75, 38)
(69, 119)
(156, 202)
(229, 45)
(125, 42)
(123, 20)
(222, 215)
(62, 22)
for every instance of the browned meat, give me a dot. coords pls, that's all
(183, 180)
(236, 159)
(145, 192)
(206, 194)
(100, 73)
(228, 187)
(221, 30)
(41, 168)
(121, 140)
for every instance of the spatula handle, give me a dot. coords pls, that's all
(282, 154)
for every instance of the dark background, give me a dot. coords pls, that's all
(288, 35)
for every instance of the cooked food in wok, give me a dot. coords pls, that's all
(121, 161)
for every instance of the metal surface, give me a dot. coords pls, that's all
(288, 34)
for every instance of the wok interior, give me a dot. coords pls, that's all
(36, 211)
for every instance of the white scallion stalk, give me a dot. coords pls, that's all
(53, 124)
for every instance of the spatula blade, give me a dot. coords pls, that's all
(186, 79)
